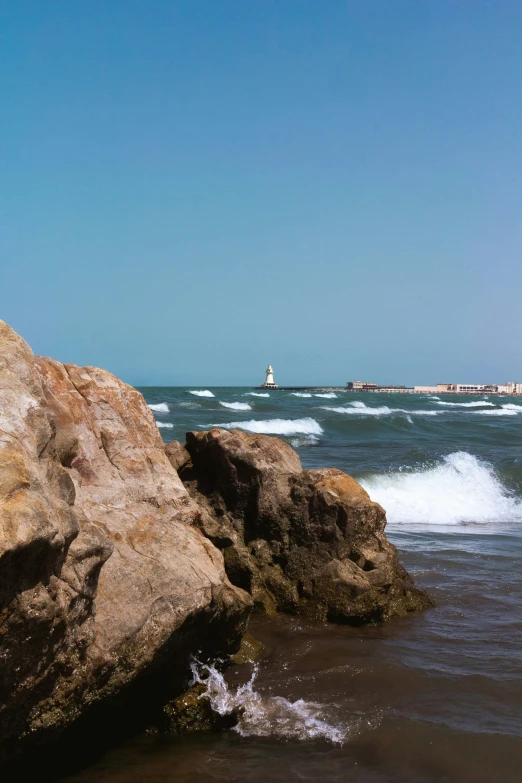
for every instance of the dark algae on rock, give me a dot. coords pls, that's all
(299, 541)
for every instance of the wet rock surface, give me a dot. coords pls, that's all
(299, 541)
(105, 582)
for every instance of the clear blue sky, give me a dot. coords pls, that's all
(194, 188)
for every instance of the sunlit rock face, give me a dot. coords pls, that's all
(105, 578)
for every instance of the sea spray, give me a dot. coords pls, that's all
(459, 489)
(265, 716)
(202, 393)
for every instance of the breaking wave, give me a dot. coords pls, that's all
(305, 426)
(327, 395)
(360, 409)
(161, 407)
(460, 489)
(300, 394)
(267, 716)
(237, 406)
(164, 424)
(511, 406)
(303, 440)
(203, 393)
(474, 404)
(256, 394)
(498, 412)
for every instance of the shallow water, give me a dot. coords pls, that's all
(435, 697)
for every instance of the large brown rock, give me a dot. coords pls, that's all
(300, 541)
(105, 581)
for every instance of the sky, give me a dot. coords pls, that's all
(193, 189)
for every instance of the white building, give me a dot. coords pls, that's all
(510, 388)
(269, 382)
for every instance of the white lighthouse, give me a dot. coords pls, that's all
(269, 382)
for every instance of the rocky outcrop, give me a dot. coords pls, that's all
(106, 582)
(299, 541)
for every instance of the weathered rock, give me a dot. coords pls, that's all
(177, 455)
(192, 711)
(250, 651)
(105, 578)
(300, 541)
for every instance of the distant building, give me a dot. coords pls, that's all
(366, 386)
(511, 388)
(361, 386)
(472, 388)
(269, 382)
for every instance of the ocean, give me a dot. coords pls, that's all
(430, 698)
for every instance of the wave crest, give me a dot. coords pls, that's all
(460, 489)
(202, 393)
(237, 406)
(474, 404)
(360, 409)
(164, 424)
(305, 426)
(160, 407)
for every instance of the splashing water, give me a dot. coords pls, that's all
(460, 488)
(265, 716)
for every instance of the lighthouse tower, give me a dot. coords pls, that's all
(269, 383)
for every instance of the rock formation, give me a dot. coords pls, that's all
(105, 582)
(299, 541)
(111, 574)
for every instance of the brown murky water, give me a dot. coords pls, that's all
(433, 698)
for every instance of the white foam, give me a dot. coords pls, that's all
(360, 409)
(266, 716)
(161, 407)
(305, 426)
(164, 424)
(256, 394)
(304, 440)
(300, 394)
(511, 406)
(202, 393)
(237, 406)
(328, 395)
(460, 489)
(498, 412)
(474, 404)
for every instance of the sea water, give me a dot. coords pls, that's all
(434, 697)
